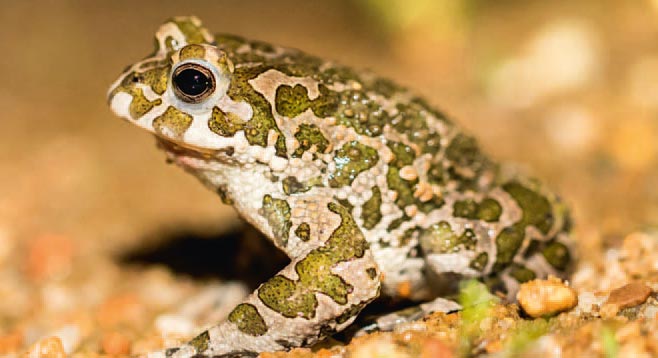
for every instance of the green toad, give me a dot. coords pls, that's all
(368, 190)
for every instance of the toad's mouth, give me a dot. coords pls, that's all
(189, 155)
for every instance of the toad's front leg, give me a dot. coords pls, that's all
(320, 292)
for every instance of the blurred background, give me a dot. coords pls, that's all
(567, 90)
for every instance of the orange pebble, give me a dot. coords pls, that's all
(404, 289)
(434, 348)
(11, 342)
(115, 343)
(50, 347)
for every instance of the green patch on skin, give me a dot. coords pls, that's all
(291, 185)
(297, 298)
(408, 235)
(277, 214)
(488, 210)
(326, 104)
(440, 238)
(403, 155)
(359, 111)
(536, 211)
(436, 174)
(349, 313)
(172, 123)
(465, 209)
(466, 159)
(192, 51)
(521, 273)
(480, 261)
(140, 105)
(534, 246)
(293, 101)
(225, 124)
(371, 213)
(422, 103)
(222, 191)
(411, 122)
(404, 188)
(508, 242)
(193, 33)
(557, 254)
(427, 206)
(248, 320)
(290, 298)
(200, 342)
(303, 232)
(262, 121)
(536, 208)
(309, 135)
(169, 43)
(156, 78)
(352, 159)
(385, 87)
(396, 223)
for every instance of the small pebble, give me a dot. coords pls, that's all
(540, 298)
(50, 347)
(115, 343)
(70, 337)
(629, 295)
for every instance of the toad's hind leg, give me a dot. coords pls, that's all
(513, 233)
(319, 293)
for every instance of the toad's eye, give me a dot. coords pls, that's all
(193, 83)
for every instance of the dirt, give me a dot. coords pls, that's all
(99, 257)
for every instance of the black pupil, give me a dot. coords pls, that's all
(192, 82)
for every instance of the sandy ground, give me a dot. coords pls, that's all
(91, 218)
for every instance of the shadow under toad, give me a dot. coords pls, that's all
(242, 254)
